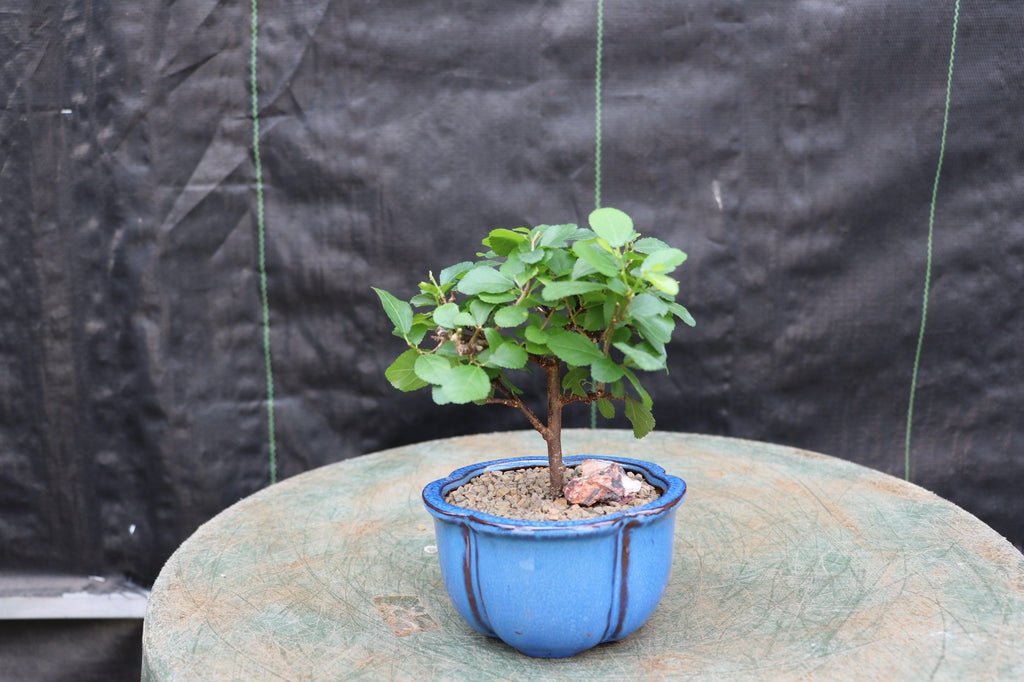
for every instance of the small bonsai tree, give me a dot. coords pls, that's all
(585, 306)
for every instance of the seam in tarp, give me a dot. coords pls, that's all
(261, 230)
(598, 59)
(931, 233)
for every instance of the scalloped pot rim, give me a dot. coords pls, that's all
(673, 491)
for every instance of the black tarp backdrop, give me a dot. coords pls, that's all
(789, 147)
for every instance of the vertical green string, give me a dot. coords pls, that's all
(261, 240)
(598, 58)
(931, 231)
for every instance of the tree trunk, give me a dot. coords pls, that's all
(554, 435)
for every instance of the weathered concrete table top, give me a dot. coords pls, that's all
(788, 565)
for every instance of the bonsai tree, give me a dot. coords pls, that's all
(587, 307)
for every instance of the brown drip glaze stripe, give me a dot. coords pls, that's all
(611, 605)
(485, 620)
(624, 589)
(467, 575)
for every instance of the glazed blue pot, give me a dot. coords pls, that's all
(552, 589)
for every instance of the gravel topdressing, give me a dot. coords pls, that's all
(523, 494)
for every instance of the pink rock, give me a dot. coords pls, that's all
(600, 481)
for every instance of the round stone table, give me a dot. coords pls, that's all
(788, 565)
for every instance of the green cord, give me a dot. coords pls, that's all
(598, 58)
(261, 242)
(931, 230)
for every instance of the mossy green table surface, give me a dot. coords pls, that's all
(788, 565)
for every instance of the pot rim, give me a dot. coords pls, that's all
(673, 491)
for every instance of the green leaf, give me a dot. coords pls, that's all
(512, 266)
(663, 261)
(594, 319)
(612, 225)
(498, 298)
(511, 316)
(509, 356)
(646, 306)
(642, 358)
(639, 415)
(683, 314)
(557, 290)
(663, 283)
(515, 390)
(525, 276)
(417, 333)
(503, 242)
(465, 320)
(618, 389)
(439, 396)
(560, 262)
(447, 349)
(420, 300)
(480, 311)
(581, 269)
(536, 334)
(537, 348)
(445, 315)
(573, 381)
(400, 373)
(572, 348)
(618, 286)
(556, 235)
(531, 257)
(432, 368)
(399, 312)
(605, 370)
(649, 245)
(656, 330)
(483, 279)
(597, 258)
(466, 384)
(429, 288)
(645, 397)
(610, 306)
(606, 408)
(453, 271)
(557, 321)
(494, 338)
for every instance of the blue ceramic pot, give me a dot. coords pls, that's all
(555, 588)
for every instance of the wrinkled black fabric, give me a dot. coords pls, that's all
(790, 148)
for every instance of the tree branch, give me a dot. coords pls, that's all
(502, 401)
(551, 313)
(541, 361)
(521, 406)
(556, 470)
(589, 398)
(526, 292)
(607, 338)
(496, 382)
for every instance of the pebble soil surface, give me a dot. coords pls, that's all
(523, 494)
